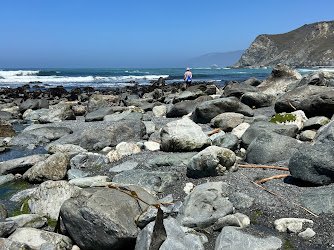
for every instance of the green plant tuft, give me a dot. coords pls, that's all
(288, 245)
(282, 118)
(22, 209)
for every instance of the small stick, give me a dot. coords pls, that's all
(165, 202)
(215, 131)
(156, 141)
(273, 177)
(281, 197)
(290, 104)
(263, 166)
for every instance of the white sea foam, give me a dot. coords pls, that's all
(12, 73)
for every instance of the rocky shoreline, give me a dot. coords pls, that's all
(100, 163)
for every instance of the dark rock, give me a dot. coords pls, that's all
(314, 164)
(252, 81)
(325, 133)
(99, 114)
(209, 109)
(104, 218)
(88, 161)
(50, 133)
(8, 116)
(33, 104)
(227, 140)
(311, 99)
(182, 108)
(258, 100)
(7, 228)
(3, 212)
(99, 101)
(318, 78)
(259, 127)
(271, 147)
(59, 92)
(172, 159)
(237, 89)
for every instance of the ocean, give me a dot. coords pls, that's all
(99, 78)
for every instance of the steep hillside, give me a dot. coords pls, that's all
(308, 46)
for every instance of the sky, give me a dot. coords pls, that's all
(116, 34)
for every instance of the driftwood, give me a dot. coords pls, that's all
(290, 104)
(215, 131)
(273, 177)
(263, 166)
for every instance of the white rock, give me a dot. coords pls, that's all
(240, 129)
(29, 220)
(160, 111)
(294, 225)
(49, 196)
(66, 149)
(307, 234)
(20, 196)
(189, 186)
(152, 146)
(123, 149)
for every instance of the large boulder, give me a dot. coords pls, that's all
(6, 129)
(98, 101)
(325, 133)
(211, 161)
(182, 108)
(48, 197)
(205, 205)
(318, 78)
(53, 168)
(154, 181)
(40, 239)
(209, 109)
(227, 121)
(33, 104)
(171, 159)
(313, 100)
(237, 89)
(258, 100)
(234, 238)
(58, 113)
(99, 114)
(271, 147)
(314, 164)
(188, 95)
(88, 161)
(22, 164)
(259, 127)
(183, 135)
(105, 218)
(51, 133)
(279, 79)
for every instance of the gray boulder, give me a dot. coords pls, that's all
(209, 109)
(25, 139)
(10, 244)
(319, 201)
(211, 161)
(5, 115)
(33, 104)
(29, 220)
(58, 113)
(3, 211)
(172, 159)
(234, 238)
(7, 228)
(105, 218)
(205, 205)
(182, 108)
(88, 161)
(325, 133)
(176, 238)
(241, 200)
(315, 122)
(227, 140)
(183, 135)
(279, 79)
(271, 147)
(53, 168)
(32, 115)
(125, 115)
(188, 95)
(252, 81)
(155, 181)
(6, 178)
(50, 133)
(257, 128)
(227, 121)
(20, 165)
(318, 78)
(38, 239)
(314, 164)
(99, 114)
(98, 101)
(237, 89)
(258, 100)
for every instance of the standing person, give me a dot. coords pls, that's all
(188, 76)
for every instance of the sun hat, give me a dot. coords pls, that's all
(188, 69)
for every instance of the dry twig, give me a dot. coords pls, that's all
(263, 166)
(215, 131)
(290, 104)
(273, 177)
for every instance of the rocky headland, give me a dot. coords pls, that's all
(246, 166)
(308, 46)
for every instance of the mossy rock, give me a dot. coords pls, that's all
(22, 209)
(283, 118)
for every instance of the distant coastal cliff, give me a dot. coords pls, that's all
(311, 45)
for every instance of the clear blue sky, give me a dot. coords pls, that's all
(101, 33)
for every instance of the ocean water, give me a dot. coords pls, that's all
(115, 78)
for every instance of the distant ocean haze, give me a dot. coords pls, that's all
(115, 78)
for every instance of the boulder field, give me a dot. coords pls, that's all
(242, 166)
